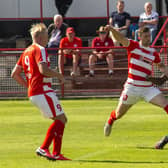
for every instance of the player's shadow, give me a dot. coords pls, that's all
(121, 161)
(145, 147)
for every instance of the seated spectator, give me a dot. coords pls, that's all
(70, 56)
(120, 20)
(56, 31)
(101, 54)
(148, 19)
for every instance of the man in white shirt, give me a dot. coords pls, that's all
(148, 19)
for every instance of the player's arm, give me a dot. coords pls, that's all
(46, 71)
(118, 36)
(16, 74)
(163, 68)
(163, 78)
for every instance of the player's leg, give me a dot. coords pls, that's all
(115, 115)
(109, 59)
(50, 108)
(162, 143)
(154, 96)
(92, 61)
(128, 98)
(59, 121)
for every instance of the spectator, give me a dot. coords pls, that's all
(120, 20)
(56, 31)
(70, 56)
(148, 19)
(102, 54)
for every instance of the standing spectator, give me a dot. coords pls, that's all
(35, 64)
(70, 56)
(148, 19)
(101, 54)
(56, 31)
(120, 20)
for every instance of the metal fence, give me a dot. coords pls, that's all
(10, 89)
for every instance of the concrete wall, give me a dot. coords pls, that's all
(79, 8)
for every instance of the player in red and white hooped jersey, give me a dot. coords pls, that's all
(140, 60)
(35, 63)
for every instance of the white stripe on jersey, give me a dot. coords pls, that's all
(139, 52)
(137, 73)
(148, 48)
(141, 63)
(43, 53)
(137, 82)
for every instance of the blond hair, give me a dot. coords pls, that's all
(37, 29)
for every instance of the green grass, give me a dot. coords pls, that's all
(22, 130)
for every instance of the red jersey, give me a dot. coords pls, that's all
(140, 60)
(98, 43)
(29, 60)
(65, 43)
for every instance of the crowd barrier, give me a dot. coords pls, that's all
(78, 86)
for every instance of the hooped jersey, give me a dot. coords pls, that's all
(140, 60)
(29, 61)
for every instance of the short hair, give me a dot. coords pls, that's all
(37, 29)
(120, 1)
(143, 30)
(57, 16)
(147, 3)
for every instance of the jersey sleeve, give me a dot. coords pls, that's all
(156, 16)
(41, 55)
(132, 45)
(157, 58)
(80, 43)
(128, 16)
(93, 42)
(61, 43)
(19, 62)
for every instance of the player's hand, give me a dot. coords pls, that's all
(157, 80)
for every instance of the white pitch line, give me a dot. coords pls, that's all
(92, 154)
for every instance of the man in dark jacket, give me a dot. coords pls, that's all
(56, 31)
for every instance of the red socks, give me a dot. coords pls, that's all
(166, 109)
(57, 141)
(112, 117)
(55, 133)
(49, 136)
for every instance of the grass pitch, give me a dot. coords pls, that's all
(22, 130)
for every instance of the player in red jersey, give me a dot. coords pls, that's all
(35, 63)
(101, 54)
(70, 56)
(140, 59)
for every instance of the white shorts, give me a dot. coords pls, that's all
(48, 104)
(131, 94)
